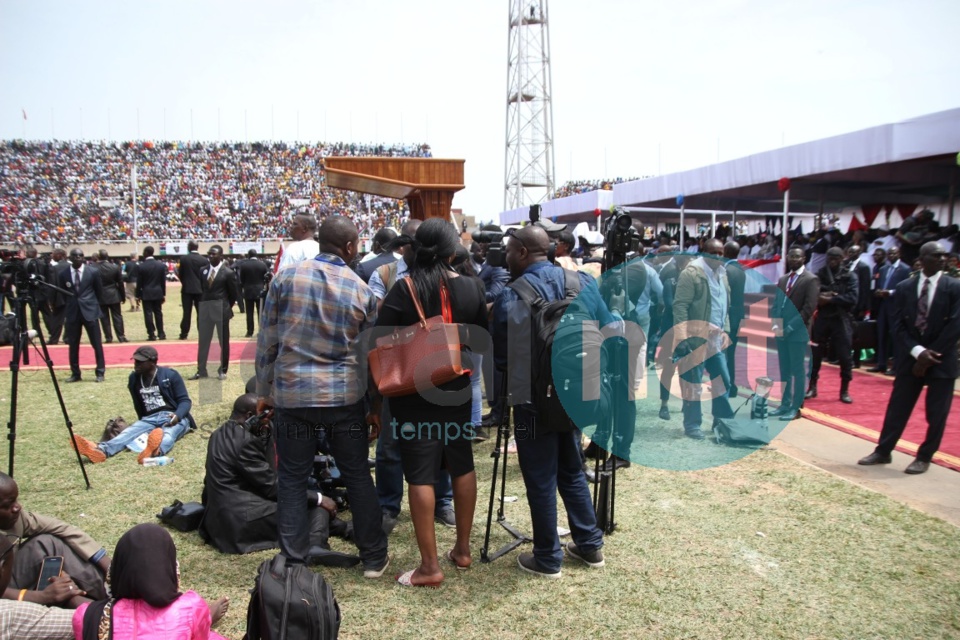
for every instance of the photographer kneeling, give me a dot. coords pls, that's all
(240, 493)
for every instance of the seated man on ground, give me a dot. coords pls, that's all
(85, 562)
(27, 620)
(240, 493)
(163, 411)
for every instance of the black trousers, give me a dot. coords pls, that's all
(212, 316)
(153, 318)
(250, 304)
(115, 312)
(731, 352)
(837, 331)
(189, 301)
(885, 349)
(906, 392)
(72, 330)
(790, 355)
(54, 322)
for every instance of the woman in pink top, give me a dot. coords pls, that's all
(147, 603)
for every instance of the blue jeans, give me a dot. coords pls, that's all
(298, 431)
(146, 425)
(550, 462)
(389, 471)
(692, 380)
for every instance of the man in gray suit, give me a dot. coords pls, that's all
(82, 312)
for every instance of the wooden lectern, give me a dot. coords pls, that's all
(427, 184)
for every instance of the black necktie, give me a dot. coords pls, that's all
(76, 278)
(922, 307)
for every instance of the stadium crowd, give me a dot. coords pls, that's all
(70, 192)
(573, 187)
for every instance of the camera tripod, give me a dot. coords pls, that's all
(500, 449)
(22, 340)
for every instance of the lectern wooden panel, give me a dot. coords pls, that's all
(427, 184)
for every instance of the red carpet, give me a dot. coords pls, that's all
(172, 353)
(864, 418)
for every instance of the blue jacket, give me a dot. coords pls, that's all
(173, 390)
(548, 281)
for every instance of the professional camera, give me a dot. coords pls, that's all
(21, 276)
(492, 236)
(621, 240)
(329, 481)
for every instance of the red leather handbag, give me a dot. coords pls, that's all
(422, 355)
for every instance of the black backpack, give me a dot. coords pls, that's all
(565, 357)
(291, 602)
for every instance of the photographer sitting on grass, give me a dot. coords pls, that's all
(240, 493)
(163, 412)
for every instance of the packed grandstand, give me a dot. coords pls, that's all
(74, 192)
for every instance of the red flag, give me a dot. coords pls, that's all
(276, 263)
(24, 113)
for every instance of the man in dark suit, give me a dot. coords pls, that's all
(926, 330)
(891, 274)
(56, 305)
(216, 308)
(864, 278)
(191, 288)
(252, 272)
(130, 269)
(112, 297)
(833, 326)
(82, 312)
(381, 256)
(152, 291)
(737, 279)
(798, 291)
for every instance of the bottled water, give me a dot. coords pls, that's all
(157, 462)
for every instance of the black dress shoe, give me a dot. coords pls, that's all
(812, 393)
(845, 398)
(875, 458)
(122, 340)
(163, 336)
(889, 372)
(53, 343)
(877, 370)
(73, 379)
(916, 467)
(197, 376)
(787, 417)
(620, 463)
(99, 379)
(664, 413)
(183, 336)
(151, 338)
(108, 341)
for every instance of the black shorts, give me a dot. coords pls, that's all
(429, 442)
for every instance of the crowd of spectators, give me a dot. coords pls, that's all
(70, 192)
(573, 187)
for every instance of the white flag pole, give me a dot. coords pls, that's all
(133, 185)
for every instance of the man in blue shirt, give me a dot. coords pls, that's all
(549, 454)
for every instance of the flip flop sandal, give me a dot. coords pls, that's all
(459, 566)
(405, 580)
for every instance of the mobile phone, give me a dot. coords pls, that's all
(52, 568)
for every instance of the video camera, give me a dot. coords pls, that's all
(494, 239)
(621, 240)
(16, 269)
(329, 481)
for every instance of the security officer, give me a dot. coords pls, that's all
(834, 321)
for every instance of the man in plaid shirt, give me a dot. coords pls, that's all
(313, 371)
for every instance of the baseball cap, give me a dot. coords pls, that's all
(144, 353)
(550, 227)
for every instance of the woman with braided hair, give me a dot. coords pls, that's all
(434, 429)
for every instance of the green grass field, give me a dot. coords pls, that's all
(764, 547)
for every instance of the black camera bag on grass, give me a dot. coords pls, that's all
(291, 602)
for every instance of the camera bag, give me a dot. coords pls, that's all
(291, 602)
(182, 516)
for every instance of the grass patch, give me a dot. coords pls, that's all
(763, 547)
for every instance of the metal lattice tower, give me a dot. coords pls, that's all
(529, 167)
